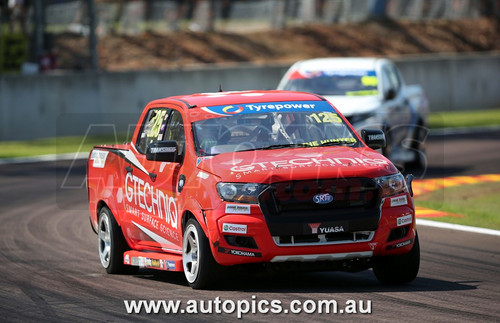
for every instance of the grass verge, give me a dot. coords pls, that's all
(478, 203)
(464, 118)
(59, 145)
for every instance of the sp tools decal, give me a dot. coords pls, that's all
(234, 228)
(323, 198)
(399, 200)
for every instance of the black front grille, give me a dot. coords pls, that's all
(290, 209)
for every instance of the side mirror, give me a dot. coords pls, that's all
(373, 138)
(390, 94)
(165, 151)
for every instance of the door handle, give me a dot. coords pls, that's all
(129, 169)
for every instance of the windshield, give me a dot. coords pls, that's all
(348, 83)
(273, 125)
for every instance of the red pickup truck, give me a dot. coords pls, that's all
(276, 178)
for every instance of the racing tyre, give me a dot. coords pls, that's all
(418, 147)
(111, 244)
(394, 270)
(198, 262)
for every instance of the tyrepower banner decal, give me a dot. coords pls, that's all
(291, 106)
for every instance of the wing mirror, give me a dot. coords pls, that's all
(373, 138)
(165, 151)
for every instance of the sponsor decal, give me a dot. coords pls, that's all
(234, 228)
(155, 263)
(314, 227)
(404, 220)
(323, 198)
(307, 162)
(99, 158)
(399, 200)
(376, 137)
(127, 259)
(236, 252)
(135, 261)
(170, 265)
(334, 229)
(233, 109)
(158, 150)
(202, 175)
(228, 110)
(400, 245)
(238, 208)
(153, 200)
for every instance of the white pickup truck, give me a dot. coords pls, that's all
(369, 92)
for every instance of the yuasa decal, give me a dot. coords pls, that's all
(404, 220)
(228, 110)
(334, 229)
(234, 228)
(399, 200)
(308, 162)
(151, 199)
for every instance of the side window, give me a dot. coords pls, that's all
(152, 129)
(393, 77)
(175, 130)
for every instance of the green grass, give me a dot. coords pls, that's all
(11, 149)
(478, 203)
(464, 118)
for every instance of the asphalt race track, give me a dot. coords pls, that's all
(50, 271)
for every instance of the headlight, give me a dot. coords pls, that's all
(240, 192)
(392, 184)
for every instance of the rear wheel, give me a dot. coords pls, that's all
(394, 270)
(111, 244)
(418, 147)
(198, 262)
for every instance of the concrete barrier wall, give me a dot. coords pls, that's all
(49, 105)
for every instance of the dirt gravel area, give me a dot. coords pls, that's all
(150, 51)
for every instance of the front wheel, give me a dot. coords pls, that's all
(401, 269)
(198, 262)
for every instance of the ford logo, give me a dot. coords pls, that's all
(323, 198)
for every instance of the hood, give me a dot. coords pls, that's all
(269, 166)
(352, 105)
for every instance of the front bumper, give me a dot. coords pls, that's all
(245, 238)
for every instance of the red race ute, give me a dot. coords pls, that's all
(275, 178)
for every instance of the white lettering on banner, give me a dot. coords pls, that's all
(404, 220)
(156, 150)
(399, 200)
(277, 107)
(234, 228)
(308, 162)
(237, 209)
(151, 199)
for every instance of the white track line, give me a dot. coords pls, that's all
(44, 158)
(457, 227)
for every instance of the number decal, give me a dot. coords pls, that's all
(326, 117)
